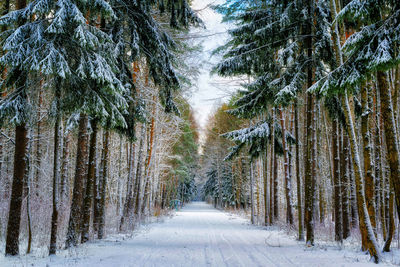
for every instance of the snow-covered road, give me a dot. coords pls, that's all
(200, 235)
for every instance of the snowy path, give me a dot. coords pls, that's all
(202, 236)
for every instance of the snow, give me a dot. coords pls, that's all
(200, 235)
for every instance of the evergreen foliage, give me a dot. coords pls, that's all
(375, 47)
(185, 158)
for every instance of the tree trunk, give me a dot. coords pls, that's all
(14, 217)
(364, 219)
(91, 177)
(147, 165)
(288, 194)
(298, 175)
(56, 171)
(74, 224)
(20, 164)
(38, 156)
(272, 172)
(391, 224)
(336, 182)
(265, 176)
(309, 183)
(252, 192)
(366, 229)
(316, 167)
(390, 135)
(102, 204)
(353, 197)
(119, 204)
(64, 168)
(276, 191)
(368, 164)
(239, 191)
(28, 209)
(138, 180)
(344, 184)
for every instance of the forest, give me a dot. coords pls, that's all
(99, 136)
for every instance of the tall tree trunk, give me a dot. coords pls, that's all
(102, 204)
(252, 192)
(364, 219)
(91, 177)
(298, 175)
(97, 188)
(138, 180)
(64, 167)
(14, 217)
(240, 182)
(390, 135)
(317, 155)
(391, 224)
(366, 229)
(367, 148)
(20, 164)
(75, 218)
(265, 176)
(276, 191)
(309, 183)
(344, 184)
(288, 184)
(147, 164)
(129, 200)
(28, 208)
(119, 204)
(56, 171)
(38, 157)
(336, 182)
(272, 172)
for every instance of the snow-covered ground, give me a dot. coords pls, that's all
(200, 235)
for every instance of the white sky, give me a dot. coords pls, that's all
(211, 90)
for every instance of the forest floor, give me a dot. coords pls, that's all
(200, 235)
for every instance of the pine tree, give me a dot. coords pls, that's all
(279, 56)
(19, 107)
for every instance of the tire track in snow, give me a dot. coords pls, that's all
(199, 235)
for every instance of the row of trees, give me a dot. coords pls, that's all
(102, 75)
(320, 110)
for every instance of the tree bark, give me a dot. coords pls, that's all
(20, 164)
(14, 217)
(56, 171)
(138, 180)
(129, 200)
(288, 194)
(336, 183)
(265, 176)
(272, 172)
(91, 177)
(366, 229)
(391, 224)
(64, 168)
(390, 135)
(276, 191)
(298, 175)
(38, 156)
(252, 193)
(344, 184)
(309, 183)
(367, 149)
(74, 224)
(102, 204)
(147, 165)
